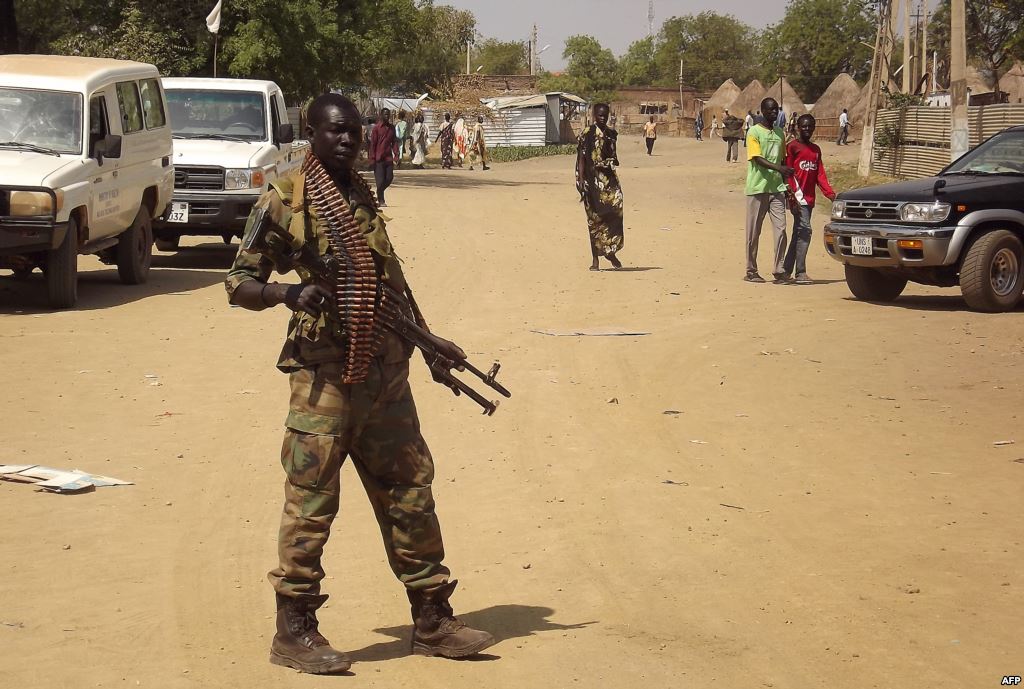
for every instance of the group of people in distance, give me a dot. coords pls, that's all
(781, 172)
(388, 144)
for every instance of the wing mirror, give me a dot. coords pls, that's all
(285, 134)
(107, 147)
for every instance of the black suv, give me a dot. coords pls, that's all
(965, 226)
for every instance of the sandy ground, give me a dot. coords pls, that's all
(779, 486)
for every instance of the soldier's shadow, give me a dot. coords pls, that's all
(503, 621)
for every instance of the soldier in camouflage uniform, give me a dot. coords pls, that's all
(374, 422)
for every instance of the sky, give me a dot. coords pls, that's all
(615, 23)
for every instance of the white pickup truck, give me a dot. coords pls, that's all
(231, 139)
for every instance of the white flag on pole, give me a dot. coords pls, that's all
(213, 19)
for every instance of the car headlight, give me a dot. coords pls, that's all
(839, 210)
(243, 178)
(924, 212)
(27, 203)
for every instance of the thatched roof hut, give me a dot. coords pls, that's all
(721, 100)
(749, 99)
(1013, 83)
(859, 112)
(791, 102)
(842, 93)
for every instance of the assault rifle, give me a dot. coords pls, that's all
(265, 237)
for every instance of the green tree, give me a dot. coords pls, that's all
(818, 39)
(135, 37)
(591, 72)
(435, 49)
(637, 67)
(501, 57)
(713, 47)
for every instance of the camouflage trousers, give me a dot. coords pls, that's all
(376, 424)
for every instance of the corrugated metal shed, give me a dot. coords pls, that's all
(517, 127)
(522, 120)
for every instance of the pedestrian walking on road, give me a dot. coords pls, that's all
(402, 135)
(650, 134)
(804, 157)
(477, 144)
(420, 138)
(383, 151)
(766, 189)
(748, 122)
(714, 126)
(698, 127)
(844, 128)
(732, 132)
(598, 185)
(335, 413)
(446, 139)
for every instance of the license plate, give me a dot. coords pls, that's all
(862, 246)
(179, 212)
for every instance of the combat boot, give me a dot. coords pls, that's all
(299, 644)
(436, 629)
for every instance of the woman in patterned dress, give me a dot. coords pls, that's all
(599, 188)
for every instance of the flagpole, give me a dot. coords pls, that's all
(216, 38)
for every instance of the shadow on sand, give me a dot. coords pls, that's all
(503, 621)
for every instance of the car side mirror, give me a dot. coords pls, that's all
(285, 134)
(107, 147)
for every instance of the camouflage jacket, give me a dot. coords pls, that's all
(311, 341)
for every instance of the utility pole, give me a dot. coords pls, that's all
(908, 52)
(650, 19)
(533, 51)
(959, 140)
(867, 140)
(892, 9)
(924, 49)
(680, 94)
(468, 44)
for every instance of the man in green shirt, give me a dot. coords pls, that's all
(766, 189)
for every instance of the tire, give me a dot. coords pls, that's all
(62, 271)
(868, 284)
(135, 249)
(168, 242)
(992, 272)
(22, 273)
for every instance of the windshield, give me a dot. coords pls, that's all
(46, 119)
(1003, 153)
(228, 114)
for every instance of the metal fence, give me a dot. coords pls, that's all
(922, 135)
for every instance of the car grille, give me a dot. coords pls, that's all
(873, 210)
(196, 208)
(199, 178)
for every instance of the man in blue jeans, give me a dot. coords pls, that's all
(804, 157)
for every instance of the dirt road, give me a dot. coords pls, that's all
(777, 487)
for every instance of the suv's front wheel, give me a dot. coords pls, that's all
(61, 270)
(135, 249)
(869, 284)
(992, 273)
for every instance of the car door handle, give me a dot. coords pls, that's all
(114, 174)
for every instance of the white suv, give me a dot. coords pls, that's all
(85, 166)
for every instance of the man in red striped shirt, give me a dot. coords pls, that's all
(383, 151)
(808, 174)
